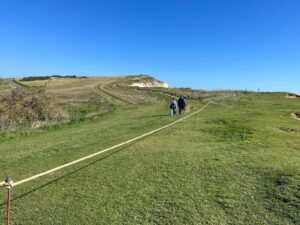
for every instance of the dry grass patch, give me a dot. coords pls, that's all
(4, 85)
(291, 96)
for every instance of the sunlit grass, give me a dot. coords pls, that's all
(237, 162)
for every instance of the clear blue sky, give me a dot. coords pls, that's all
(207, 44)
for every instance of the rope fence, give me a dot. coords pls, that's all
(100, 152)
(8, 184)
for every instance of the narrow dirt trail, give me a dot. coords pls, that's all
(109, 97)
(13, 84)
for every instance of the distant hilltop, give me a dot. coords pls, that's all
(131, 80)
(147, 81)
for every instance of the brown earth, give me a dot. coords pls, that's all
(295, 116)
(291, 96)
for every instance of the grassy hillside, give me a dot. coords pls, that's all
(237, 162)
(76, 98)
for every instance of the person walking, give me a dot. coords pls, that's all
(173, 107)
(181, 104)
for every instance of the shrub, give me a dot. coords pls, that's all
(24, 107)
(49, 77)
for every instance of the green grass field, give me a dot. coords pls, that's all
(236, 162)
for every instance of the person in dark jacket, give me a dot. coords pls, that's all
(173, 107)
(181, 104)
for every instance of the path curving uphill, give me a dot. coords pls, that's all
(14, 84)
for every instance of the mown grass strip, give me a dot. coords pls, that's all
(103, 151)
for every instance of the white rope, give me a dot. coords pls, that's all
(102, 151)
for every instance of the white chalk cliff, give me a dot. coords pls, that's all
(154, 83)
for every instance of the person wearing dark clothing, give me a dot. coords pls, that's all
(181, 104)
(173, 107)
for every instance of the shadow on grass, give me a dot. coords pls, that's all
(73, 172)
(160, 115)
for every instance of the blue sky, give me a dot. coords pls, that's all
(205, 44)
